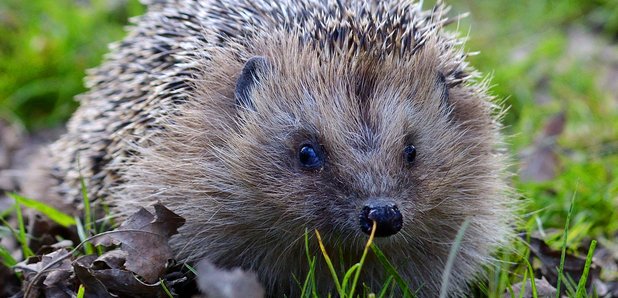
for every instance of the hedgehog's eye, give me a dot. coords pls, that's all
(309, 157)
(409, 153)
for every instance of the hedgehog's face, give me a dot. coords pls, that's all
(340, 146)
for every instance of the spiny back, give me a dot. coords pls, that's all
(149, 73)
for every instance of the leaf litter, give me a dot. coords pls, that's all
(139, 256)
(133, 260)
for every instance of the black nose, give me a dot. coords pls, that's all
(388, 219)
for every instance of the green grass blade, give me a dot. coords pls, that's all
(297, 281)
(532, 281)
(308, 289)
(311, 274)
(385, 287)
(362, 260)
(392, 271)
(5, 213)
(49, 211)
(503, 276)
(581, 287)
(21, 236)
(7, 258)
(564, 244)
(346, 278)
(88, 222)
(509, 288)
(81, 292)
(7, 225)
(87, 213)
(307, 253)
(529, 266)
(570, 285)
(81, 233)
(451, 257)
(523, 285)
(193, 270)
(165, 289)
(330, 265)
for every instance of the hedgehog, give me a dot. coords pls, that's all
(260, 120)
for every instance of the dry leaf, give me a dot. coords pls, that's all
(103, 281)
(54, 281)
(144, 237)
(143, 251)
(113, 259)
(555, 126)
(540, 162)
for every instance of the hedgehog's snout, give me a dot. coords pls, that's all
(387, 217)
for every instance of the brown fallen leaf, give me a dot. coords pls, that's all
(43, 232)
(94, 287)
(47, 274)
(540, 161)
(555, 126)
(144, 237)
(219, 283)
(100, 280)
(143, 251)
(113, 259)
(541, 165)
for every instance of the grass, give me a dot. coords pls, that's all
(530, 48)
(532, 61)
(309, 288)
(451, 258)
(46, 47)
(88, 216)
(345, 286)
(403, 285)
(7, 258)
(564, 245)
(81, 292)
(22, 237)
(532, 280)
(51, 212)
(581, 286)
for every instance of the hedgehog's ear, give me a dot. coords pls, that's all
(247, 79)
(446, 106)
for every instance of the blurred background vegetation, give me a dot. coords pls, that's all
(555, 63)
(45, 47)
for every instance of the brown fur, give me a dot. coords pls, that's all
(160, 124)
